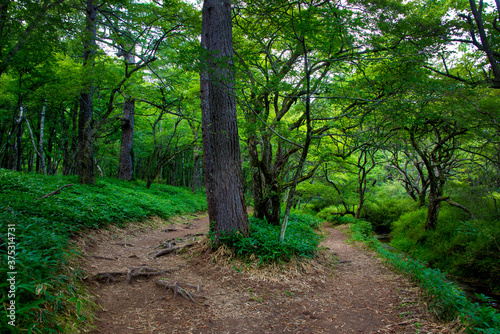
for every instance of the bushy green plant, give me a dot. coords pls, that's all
(362, 229)
(408, 230)
(300, 241)
(331, 213)
(382, 211)
(43, 227)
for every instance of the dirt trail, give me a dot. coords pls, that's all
(347, 290)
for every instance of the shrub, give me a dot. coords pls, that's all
(384, 210)
(362, 228)
(300, 240)
(409, 229)
(330, 213)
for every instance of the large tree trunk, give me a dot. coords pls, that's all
(222, 163)
(126, 167)
(85, 159)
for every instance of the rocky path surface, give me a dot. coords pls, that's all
(346, 290)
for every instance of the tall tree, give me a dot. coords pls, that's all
(86, 126)
(222, 160)
(126, 165)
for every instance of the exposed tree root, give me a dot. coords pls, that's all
(176, 250)
(177, 289)
(170, 245)
(131, 273)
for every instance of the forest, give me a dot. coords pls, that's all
(377, 111)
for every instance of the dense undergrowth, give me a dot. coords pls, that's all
(47, 296)
(301, 240)
(466, 248)
(447, 300)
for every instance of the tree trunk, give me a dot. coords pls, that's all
(40, 143)
(69, 140)
(18, 146)
(361, 191)
(433, 208)
(197, 169)
(85, 159)
(259, 205)
(126, 167)
(435, 198)
(222, 163)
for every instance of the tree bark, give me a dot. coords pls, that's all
(222, 162)
(18, 145)
(85, 159)
(126, 167)
(40, 144)
(196, 180)
(434, 205)
(69, 140)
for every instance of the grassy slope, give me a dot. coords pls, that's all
(43, 228)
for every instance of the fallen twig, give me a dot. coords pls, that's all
(54, 192)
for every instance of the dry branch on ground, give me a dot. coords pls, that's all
(54, 192)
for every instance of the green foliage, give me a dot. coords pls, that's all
(463, 248)
(408, 230)
(317, 195)
(335, 219)
(384, 209)
(43, 229)
(447, 299)
(362, 229)
(301, 240)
